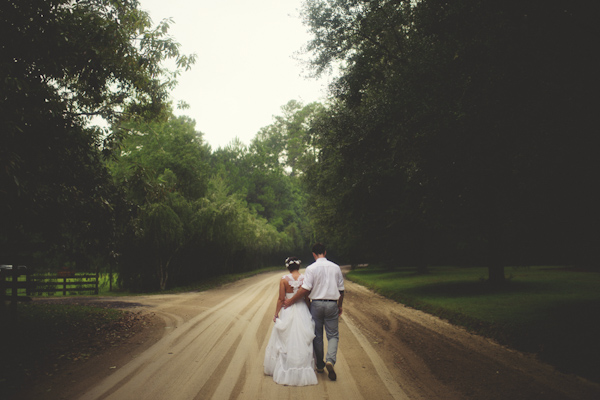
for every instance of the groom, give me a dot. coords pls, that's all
(325, 282)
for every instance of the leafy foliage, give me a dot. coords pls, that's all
(267, 173)
(184, 225)
(456, 132)
(64, 62)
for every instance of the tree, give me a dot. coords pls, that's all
(162, 231)
(64, 62)
(231, 237)
(360, 185)
(441, 126)
(292, 133)
(163, 169)
(149, 149)
(267, 172)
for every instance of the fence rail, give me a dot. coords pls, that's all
(21, 283)
(71, 283)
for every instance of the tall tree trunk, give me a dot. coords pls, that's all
(495, 256)
(163, 274)
(493, 230)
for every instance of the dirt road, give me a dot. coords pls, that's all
(212, 344)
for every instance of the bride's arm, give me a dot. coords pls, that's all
(280, 299)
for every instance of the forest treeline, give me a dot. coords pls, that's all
(189, 212)
(455, 132)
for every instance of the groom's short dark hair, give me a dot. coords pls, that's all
(318, 248)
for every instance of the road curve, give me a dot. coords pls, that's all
(214, 343)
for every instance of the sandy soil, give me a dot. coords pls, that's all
(211, 345)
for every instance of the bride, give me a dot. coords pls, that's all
(289, 354)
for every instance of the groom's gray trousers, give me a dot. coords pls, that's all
(325, 313)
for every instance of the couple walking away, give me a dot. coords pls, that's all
(306, 304)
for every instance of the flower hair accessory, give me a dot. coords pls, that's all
(291, 260)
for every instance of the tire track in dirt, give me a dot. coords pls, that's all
(383, 372)
(179, 365)
(214, 345)
(219, 352)
(431, 359)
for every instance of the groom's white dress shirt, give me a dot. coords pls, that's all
(324, 279)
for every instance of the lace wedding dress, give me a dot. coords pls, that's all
(289, 354)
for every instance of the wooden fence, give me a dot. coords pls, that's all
(19, 283)
(65, 282)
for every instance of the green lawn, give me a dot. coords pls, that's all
(553, 312)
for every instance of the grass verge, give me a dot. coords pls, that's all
(552, 312)
(200, 286)
(217, 281)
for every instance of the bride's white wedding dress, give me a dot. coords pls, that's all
(289, 354)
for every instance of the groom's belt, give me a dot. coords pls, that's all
(324, 300)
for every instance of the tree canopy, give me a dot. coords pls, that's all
(460, 131)
(64, 62)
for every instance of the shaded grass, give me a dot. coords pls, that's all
(44, 335)
(552, 312)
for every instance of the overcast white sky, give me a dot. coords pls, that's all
(245, 70)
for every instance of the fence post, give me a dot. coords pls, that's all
(3, 290)
(14, 299)
(28, 284)
(64, 286)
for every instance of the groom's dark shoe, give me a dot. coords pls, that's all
(332, 375)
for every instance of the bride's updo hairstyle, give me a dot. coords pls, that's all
(292, 263)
